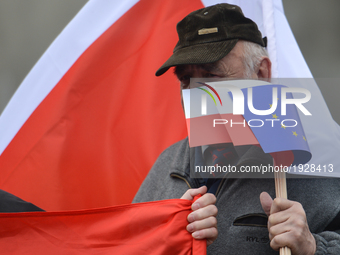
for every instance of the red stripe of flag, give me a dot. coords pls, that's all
(125, 229)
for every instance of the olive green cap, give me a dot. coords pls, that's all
(209, 34)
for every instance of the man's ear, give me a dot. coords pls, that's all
(265, 68)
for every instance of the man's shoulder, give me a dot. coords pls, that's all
(176, 156)
(174, 159)
(176, 150)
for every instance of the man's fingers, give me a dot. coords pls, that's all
(266, 202)
(289, 227)
(280, 204)
(202, 224)
(294, 239)
(278, 230)
(200, 214)
(205, 200)
(191, 193)
(281, 241)
(208, 233)
(289, 239)
(295, 209)
(277, 218)
(202, 221)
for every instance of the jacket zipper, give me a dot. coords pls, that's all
(219, 187)
(182, 178)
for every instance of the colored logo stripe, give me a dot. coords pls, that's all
(209, 94)
(213, 90)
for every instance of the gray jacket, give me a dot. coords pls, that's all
(242, 224)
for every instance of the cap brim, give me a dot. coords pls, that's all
(198, 54)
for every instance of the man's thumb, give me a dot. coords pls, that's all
(266, 202)
(191, 193)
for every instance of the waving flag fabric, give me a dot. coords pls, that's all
(90, 119)
(125, 229)
(276, 132)
(215, 123)
(291, 132)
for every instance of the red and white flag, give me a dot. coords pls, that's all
(89, 120)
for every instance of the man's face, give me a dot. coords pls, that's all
(231, 66)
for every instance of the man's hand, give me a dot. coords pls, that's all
(287, 225)
(202, 221)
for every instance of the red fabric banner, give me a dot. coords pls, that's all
(146, 228)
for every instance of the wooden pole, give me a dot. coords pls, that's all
(281, 191)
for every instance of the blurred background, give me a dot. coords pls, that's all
(28, 27)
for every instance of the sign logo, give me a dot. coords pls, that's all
(239, 99)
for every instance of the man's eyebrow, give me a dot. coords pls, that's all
(210, 67)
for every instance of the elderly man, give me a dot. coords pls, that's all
(218, 41)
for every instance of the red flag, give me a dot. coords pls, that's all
(92, 140)
(125, 229)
